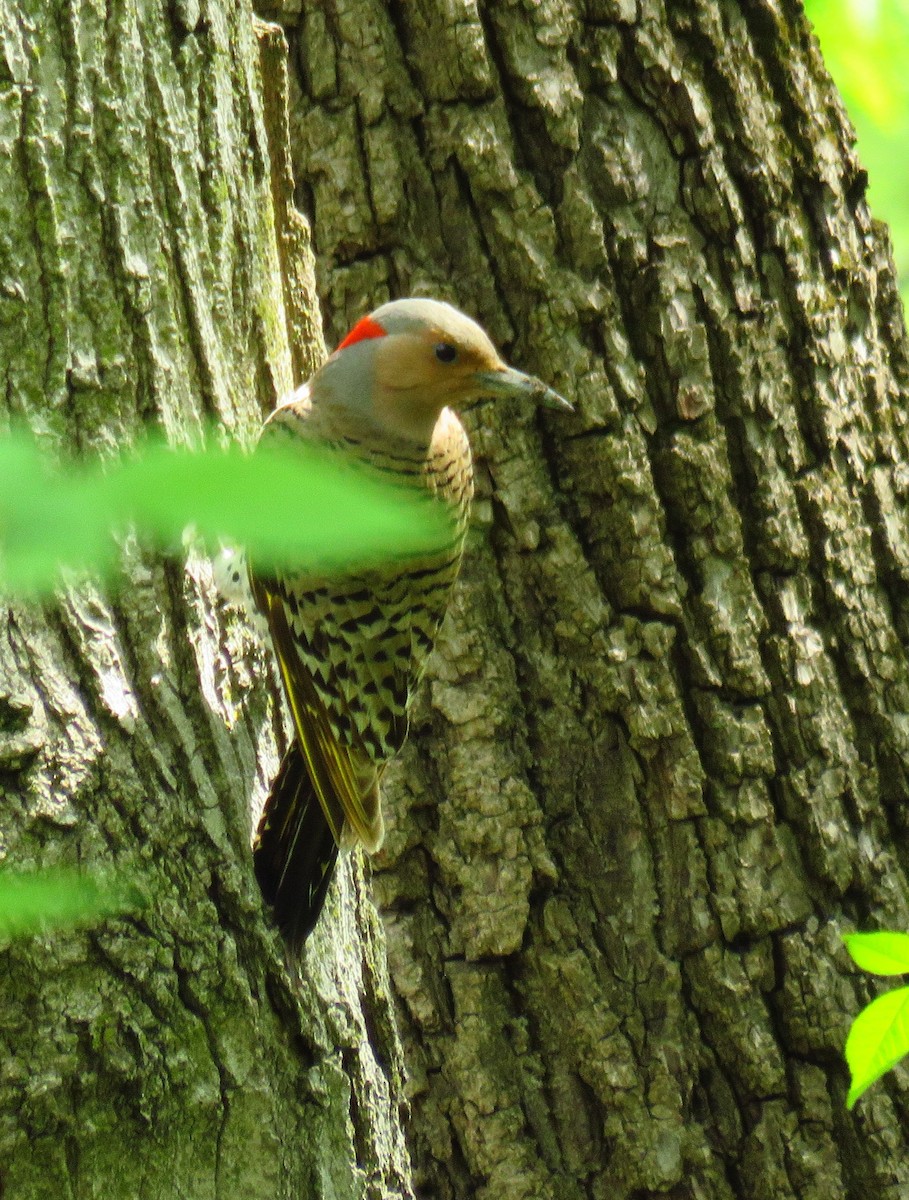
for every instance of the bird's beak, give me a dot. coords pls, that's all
(506, 381)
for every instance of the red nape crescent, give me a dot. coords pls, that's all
(366, 328)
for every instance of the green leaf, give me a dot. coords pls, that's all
(43, 901)
(882, 953)
(866, 48)
(878, 1039)
(282, 504)
(299, 506)
(44, 521)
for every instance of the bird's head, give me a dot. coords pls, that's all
(410, 359)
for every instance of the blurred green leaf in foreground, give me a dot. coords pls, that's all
(50, 900)
(299, 505)
(865, 44)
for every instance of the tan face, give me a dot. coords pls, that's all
(411, 358)
(420, 372)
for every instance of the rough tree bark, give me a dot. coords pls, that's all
(659, 767)
(152, 271)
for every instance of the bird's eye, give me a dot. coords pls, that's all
(445, 352)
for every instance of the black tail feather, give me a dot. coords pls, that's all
(294, 852)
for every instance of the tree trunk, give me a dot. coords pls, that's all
(152, 271)
(658, 766)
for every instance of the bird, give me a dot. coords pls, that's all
(352, 644)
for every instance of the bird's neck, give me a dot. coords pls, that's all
(347, 384)
(406, 414)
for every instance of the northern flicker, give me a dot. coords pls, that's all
(352, 646)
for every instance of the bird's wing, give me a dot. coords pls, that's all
(344, 780)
